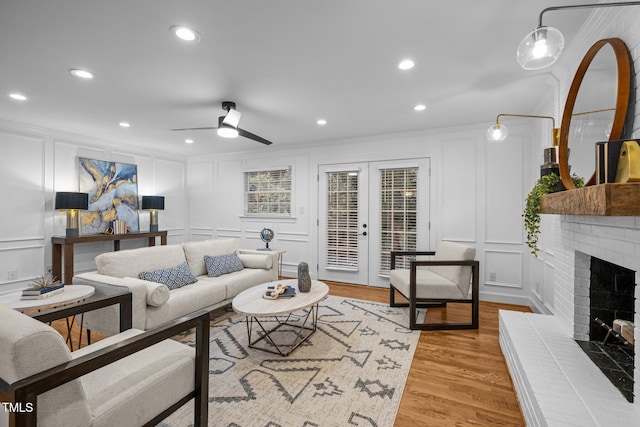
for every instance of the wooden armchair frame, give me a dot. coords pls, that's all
(415, 303)
(26, 391)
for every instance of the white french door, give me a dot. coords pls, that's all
(365, 211)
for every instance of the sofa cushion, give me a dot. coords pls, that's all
(222, 264)
(256, 261)
(438, 286)
(174, 278)
(157, 294)
(133, 390)
(131, 262)
(195, 252)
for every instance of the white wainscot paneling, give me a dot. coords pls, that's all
(459, 190)
(505, 265)
(229, 185)
(20, 262)
(504, 198)
(170, 183)
(22, 172)
(202, 197)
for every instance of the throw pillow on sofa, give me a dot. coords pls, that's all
(174, 278)
(222, 264)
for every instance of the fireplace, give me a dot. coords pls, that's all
(611, 304)
(556, 381)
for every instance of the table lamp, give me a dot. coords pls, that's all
(72, 203)
(153, 204)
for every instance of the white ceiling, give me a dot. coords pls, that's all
(286, 63)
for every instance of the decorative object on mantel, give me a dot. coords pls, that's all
(266, 235)
(542, 47)
(498, 133)
(622, 123)
(113, 194)
(153, 204)
(628, 169)
(546, 184)
(304, 279)
(72, 203)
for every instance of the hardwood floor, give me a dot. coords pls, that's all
(457, 378)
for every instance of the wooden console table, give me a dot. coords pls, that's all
(63, 248)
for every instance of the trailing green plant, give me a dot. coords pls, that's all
(545, 185)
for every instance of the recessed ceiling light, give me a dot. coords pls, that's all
(83, 74)
(420, 107)
(18, 96)
(188, 141)
(321, 122)
(407, 64)
(125, 124)
(185, 33)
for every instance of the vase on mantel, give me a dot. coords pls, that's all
(304, 279)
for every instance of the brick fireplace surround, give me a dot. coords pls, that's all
(556, 382)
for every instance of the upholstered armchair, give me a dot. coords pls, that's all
(134, 378)
(451, 276)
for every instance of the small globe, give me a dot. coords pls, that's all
(267, 235)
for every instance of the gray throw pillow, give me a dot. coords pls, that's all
(174, 278)
(222, 264)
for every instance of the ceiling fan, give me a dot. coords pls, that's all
(228, 125)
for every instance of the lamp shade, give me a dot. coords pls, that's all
(540, 48)
(153, 202)
(497, 133)
(71, 200)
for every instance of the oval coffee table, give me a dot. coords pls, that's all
(253, 306)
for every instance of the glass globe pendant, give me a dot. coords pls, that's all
(540, 48)
(497, 133)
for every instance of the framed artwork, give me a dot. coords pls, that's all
(113, 194)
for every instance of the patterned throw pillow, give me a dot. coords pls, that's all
(222, 264)
(174, 278)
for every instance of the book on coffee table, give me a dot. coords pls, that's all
(289, 292)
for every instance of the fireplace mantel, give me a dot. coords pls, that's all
(599, 200)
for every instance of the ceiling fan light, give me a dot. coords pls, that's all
(497, 133)
(185, 33)
(540, 48)
(227, 132)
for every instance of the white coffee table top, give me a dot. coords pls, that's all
(251, 303)
(71, 294)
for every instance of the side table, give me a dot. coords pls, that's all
(62, 248)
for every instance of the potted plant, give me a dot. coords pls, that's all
(546, 184)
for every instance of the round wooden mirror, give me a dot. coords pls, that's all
(613, 109)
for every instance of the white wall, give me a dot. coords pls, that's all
(477, 193)
(35, 163)
(620, 22)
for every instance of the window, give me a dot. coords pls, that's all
(342, 220)
(398, 213)
(268, 192)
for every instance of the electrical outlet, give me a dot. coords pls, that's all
(12, 274)
(492, 277)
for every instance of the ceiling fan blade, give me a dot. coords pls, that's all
(232, 118)
(207, 128)
(249, 135)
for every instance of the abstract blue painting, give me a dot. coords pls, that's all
(113, 194)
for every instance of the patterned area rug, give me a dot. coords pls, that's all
(352, 371)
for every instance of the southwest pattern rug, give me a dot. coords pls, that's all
(351, 371)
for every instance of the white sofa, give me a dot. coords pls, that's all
(153, 303)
